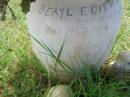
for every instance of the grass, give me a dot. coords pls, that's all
(22, 75)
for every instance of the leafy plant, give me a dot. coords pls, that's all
(4, 4)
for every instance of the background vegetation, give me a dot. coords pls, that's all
(21, 74)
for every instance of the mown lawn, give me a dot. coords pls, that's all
(22, 75)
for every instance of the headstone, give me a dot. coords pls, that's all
(79, 32)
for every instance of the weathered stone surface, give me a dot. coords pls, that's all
(123, 62)
(59, 91)
(120, 68)
(88, 29)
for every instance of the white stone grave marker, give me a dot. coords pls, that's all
(88, 29)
